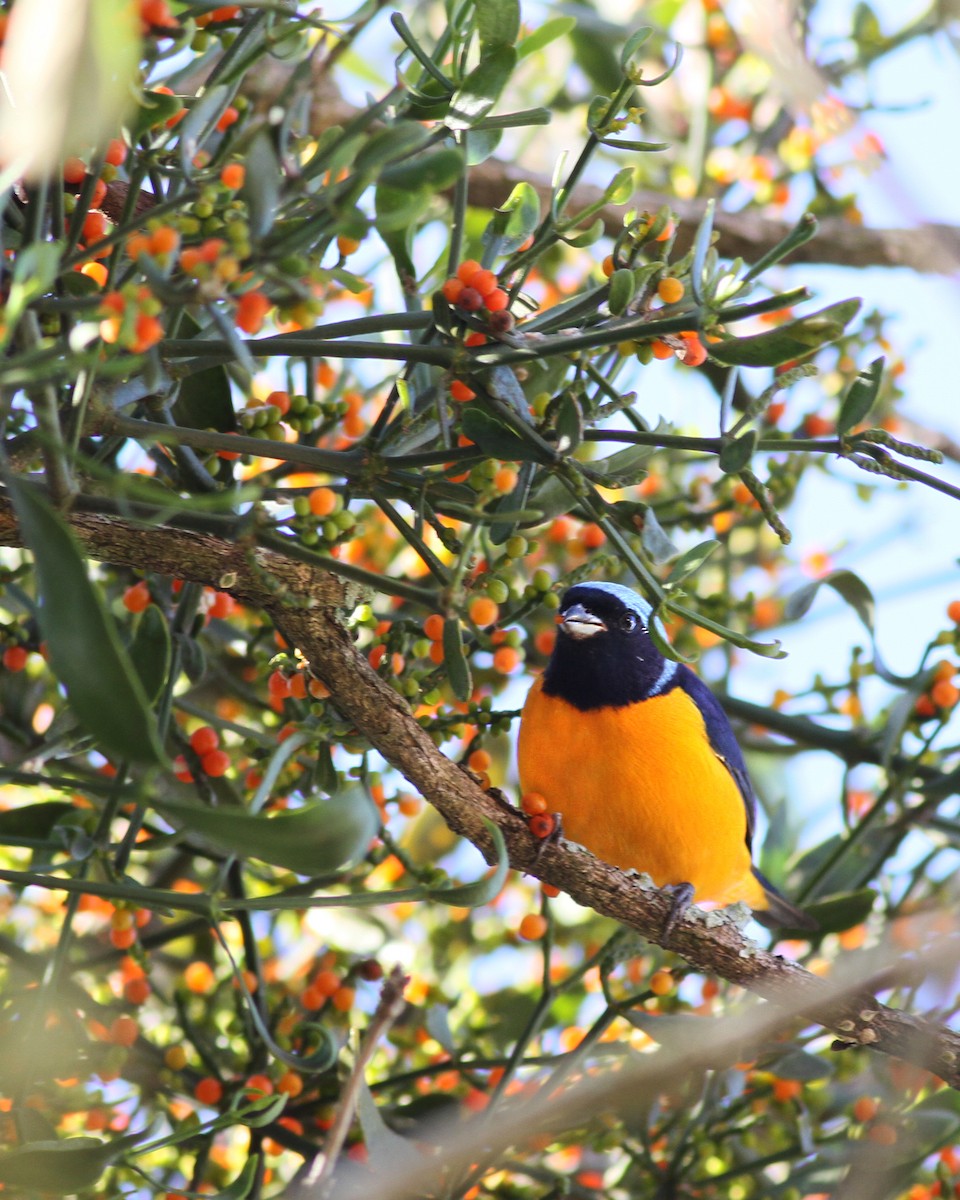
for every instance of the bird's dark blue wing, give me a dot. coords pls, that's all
(722, 740)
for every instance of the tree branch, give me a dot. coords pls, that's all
(305, 607)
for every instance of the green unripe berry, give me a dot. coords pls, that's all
(330, 530)
(498, 591)
(552, 601)
(644, 353)
(301, 506)
(516, 546)
(345, 520)
(542, 581)
(310, 537)
(432, 697)
(203, 209)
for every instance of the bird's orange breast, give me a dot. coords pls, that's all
(641, 787)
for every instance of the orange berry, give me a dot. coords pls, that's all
(232, 176)
(257, 1086)
(667, 232)
(592, 536)
(661, 349)
(549, 890)
(661, 983)
(506, 659)
(181, 771)
(208, 1090)
(484, 282)
(483, 611)
(204, 739)
(148, 331)
(198, 977)
(342, 999)
(467, 270)
(925, 707)
(251, 311)
(136, 598)
(496, 301)
(215, 763)
(15, 658)
(322, 501)
(452, 288)
(347, 245)
(136, 991)
(533, 927)
(816, 426)
(433, 627)
(326, 983)
(786, 1089)
(865, 1108)
(124, 1030)
(95, 271)
(694, 353)
(541, 825)
(953, 611)
(479, 761)
(74, 169)
(116, 152)
(230, 115)
(944, 694)
(883, 1134)
(533, 803)
(278, 685)
(460, 392)
(607, 266)
(436, 653)
(505, 480)
(670, 290)
(290, 1084)
(123, 939)
(95, 226)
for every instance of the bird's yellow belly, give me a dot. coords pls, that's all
(641, 787)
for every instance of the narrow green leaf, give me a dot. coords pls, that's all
(633, 45)
(656, 541)
(516, 220)
(764, 649)
(737, 454)
(323, 836)
(261, 187)
(455, 660)
(861, 397)
(33, 820)
(624, 466)
(431, 171)
(800, 1064)
(515, 502)
(200, 121)
(623, 286)
(543, 35)
(796, 339)
(498, 23)
(150, 651)
(801, 233)
(493, 437)
(690, 561)
(204, 401)
(485, 890)
(846, 584)
(568, 423)
(482, 87)
(387, 145)
(390, 1154)
(620, 188)
(700, 247)
(836, 913)
(154, 109)
(242, 1186)
(587, 237)
(86, 653)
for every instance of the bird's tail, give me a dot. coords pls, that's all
(779, 912)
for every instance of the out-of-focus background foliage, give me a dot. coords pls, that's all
(430, 298)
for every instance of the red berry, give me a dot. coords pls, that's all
(203, 740)
(541, 825)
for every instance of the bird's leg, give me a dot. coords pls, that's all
(551, 839)
(681, 895)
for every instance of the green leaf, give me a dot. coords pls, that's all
(33, 820)
(61, 1167)
(398, 209)
(853, 861)
(568, 422)
(242, 1186)
(204, 401)
(481, 89)
(515, 221)
(150, 651)
(492, 436)
(34, 272)
(261, 186)
(433, 171)
(800, 1064)
(624, 466)
(387, 145)
(200, 121)
(632, 46)
(623, 286)
(690, 561)
(846, 584)
(86, 653)
(737, 454)
(320, 837)
(655, 539)
(620, 188)
(836, 913)
(861, 397)
(455, 660)
(796, 339)
(485, 890)
(154, 108)
(587, 237)
(390, 1154)
(700, 247)
(543, 35)
(498, 23)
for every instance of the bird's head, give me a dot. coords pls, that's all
(604, 655)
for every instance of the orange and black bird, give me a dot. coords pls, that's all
(635, 753)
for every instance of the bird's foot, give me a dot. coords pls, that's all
(681, 896)
(549, 839)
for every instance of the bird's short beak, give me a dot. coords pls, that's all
(579, 623)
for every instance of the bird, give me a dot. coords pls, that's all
(635, 754)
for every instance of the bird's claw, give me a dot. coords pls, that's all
(681, 895)
(551, 839)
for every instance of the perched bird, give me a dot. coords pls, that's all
(637, 756)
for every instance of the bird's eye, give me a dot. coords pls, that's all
(628, 622)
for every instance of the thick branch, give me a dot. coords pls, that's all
(305, 608)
